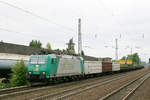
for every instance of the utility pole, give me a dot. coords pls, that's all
(131, 50)
(116, 49)
(79, 37)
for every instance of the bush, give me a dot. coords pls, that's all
(1, 84)
(19, 74)
(4, 85)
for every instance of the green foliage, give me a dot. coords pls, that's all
(70, 52)
(135, 59)
(114, 60)
(35, 43)
(64, 51)
(58, 51)
(123, 58)
(70, 48)
(2, 85)
(19, 74)
(49, 46)
(82, 53)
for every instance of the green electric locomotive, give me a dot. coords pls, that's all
(51, 67)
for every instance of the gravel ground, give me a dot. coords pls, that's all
(97, 93)
(89, 96)
(60, 87)
(126, 90)
(143, 92)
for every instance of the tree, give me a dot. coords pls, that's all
(70, 48)
(49, 46)
(58, 51)
(35, 43)
(31, 44)
(39, 44)
(123, 58)
(135, 59)
(19, 74)
(64, 51)
(82, 53)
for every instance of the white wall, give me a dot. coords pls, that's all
(13, 56)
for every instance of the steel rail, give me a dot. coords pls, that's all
(7, 89)
(127, 97)
(77, 89)
(51, 87)
(23, 89)
(15, 89)
(124, 86)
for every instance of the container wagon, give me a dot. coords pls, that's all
(106, 66)
(92, 68)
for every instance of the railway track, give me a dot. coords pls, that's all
(128, 96)
(18, 91)
(141, 92)
(124, 92)
(9, 90)
(67, 93)
(27, 89)
(88, 84)
(73, 91)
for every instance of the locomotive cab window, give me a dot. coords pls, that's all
(52, 61)
(33, 60)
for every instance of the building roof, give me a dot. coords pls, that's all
(18, 49)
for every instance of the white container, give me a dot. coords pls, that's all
(93, 67)
(115, 66)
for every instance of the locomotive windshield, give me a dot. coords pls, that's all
(38, 60)
(33, 60)
(42, 60)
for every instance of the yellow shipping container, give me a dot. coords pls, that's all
(129, 61)
(121, 61)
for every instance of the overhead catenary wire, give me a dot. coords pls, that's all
(19, 33)
(111, 13)
(37, 16)
(113, 16)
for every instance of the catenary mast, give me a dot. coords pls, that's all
(79, 37)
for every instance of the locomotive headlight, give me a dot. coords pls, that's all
(43, 72)
(30, 73)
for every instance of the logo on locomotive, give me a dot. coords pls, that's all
(67, 64)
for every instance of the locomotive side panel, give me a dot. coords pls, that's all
(69, 65)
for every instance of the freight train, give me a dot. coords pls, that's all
(46, 68)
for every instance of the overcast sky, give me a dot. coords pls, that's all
(56, 21)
